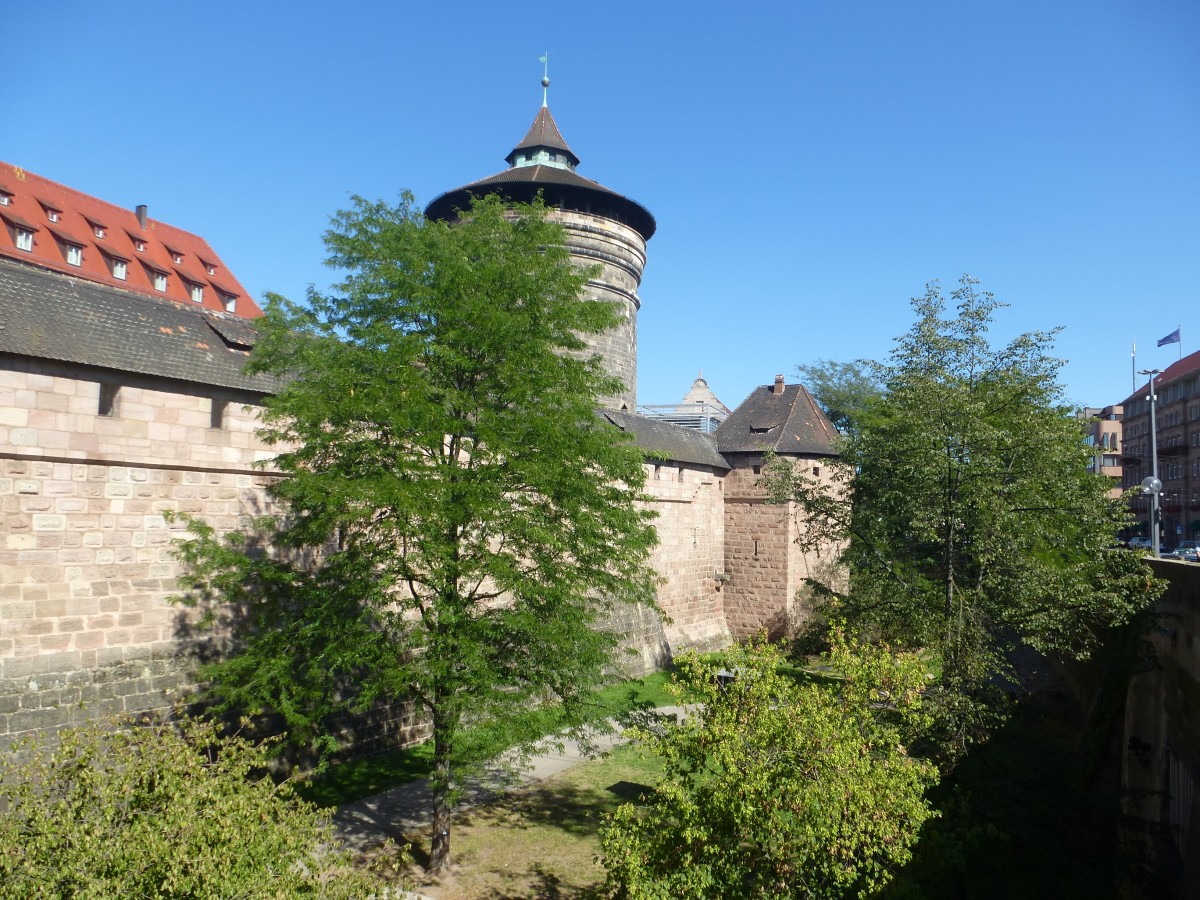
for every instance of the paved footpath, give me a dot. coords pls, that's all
(408, 807)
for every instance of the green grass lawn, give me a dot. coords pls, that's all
(540, 841)
(357, 778)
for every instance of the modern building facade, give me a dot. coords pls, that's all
(1103, 435)
(1177, 438)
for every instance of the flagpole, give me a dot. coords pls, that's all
(1133, 368)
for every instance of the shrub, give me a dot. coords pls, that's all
(779, 789)
(161, 810)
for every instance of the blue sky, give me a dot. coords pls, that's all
(811, 165)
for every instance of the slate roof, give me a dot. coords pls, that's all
(47, 315)
(559, 187)
(790, 422)
(562, 188)
(31, 198)
(544, 133)
(658, 436)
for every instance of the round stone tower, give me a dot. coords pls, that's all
(603, 228)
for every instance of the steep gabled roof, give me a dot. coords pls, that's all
(106, 232)
(49, 316)
(786, 422)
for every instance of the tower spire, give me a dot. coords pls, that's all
(545, 61)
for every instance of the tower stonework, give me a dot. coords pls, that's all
(602, 227)
(620, 251)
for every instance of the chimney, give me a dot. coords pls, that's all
(778, 388)
(141, 214)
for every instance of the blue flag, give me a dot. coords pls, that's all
(1172, 338)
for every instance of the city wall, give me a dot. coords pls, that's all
(768, 570)
(1161, 738)
(86, 563)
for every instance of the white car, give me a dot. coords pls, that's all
(1140, 543)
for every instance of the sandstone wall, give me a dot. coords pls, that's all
(85, 555)
(768, 571)
(85, 561)
(1161, 740)
(806, 565)
(690, 557)
(620, 252)
(757, 538)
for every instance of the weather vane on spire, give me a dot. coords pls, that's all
(545, 61)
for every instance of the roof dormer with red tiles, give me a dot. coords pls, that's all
(53, 226)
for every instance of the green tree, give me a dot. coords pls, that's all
(776, 788)
(154, 810)
(973, 522)
(466, 515)
(843, 390)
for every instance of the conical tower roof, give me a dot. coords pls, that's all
(543, 134)
(544, 163)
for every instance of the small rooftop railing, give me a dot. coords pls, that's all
(702, 417)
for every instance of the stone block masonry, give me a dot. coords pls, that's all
(767, 568)
(690, 556)
(620, 253)
(86, 562)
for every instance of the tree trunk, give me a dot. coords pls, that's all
(439, 845)
(439, 854)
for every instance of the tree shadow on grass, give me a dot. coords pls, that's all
(565, 807)
(529, 864)
(547, 886)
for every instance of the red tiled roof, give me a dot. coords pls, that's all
(1173, 372)
(82, 214)
(13, 218)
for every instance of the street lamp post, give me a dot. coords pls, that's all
(1152, 483)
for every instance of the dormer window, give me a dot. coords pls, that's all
(197, 293)
(176, 258)
(74, 255)
(160, 282)
(5, 198)
(229, 301)
(24, 239)
(98, 230)
(210, 268)
(53, 215)
(139, 246)
(118, 265)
